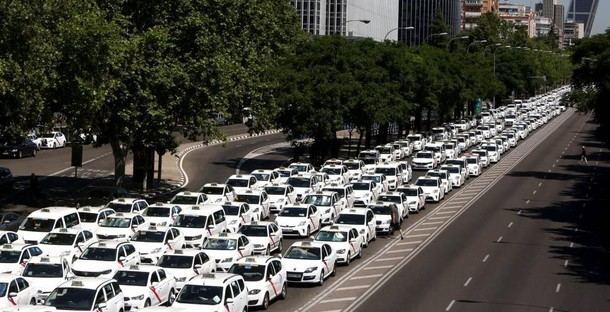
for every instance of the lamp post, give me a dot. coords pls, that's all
(474, 43)
(397, 28)
(497, 46)
(436, 35)
(456, 38)
(363, 21)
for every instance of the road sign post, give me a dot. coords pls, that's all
(77, 157)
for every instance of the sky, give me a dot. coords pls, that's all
(602, 16)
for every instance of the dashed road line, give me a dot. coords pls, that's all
(450, 305)
(467, 282)
(377, 267)
(510, 225)
(338, 299)
(398, 250)
(485, 258)
(558, 287)
(388, 259)
(353, 287)
(499, 240)
(365, 276)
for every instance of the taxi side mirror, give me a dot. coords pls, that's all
(12, 295)
(229, 300)
(122, 258)
(102, 305)
(198, 266)
(242, 247)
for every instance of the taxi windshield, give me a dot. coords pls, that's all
(332, 171)
(220, 244)
(213, 190)
(9, 256)
(361, 186)
(249, 199)
(298, 182)
(64, 239)
(299, 168)
(37, 225)
(116, 222)
(452, 169)
(231, 210)
(99, 254)
(376, 179)
(156, 212)
(381, 210)
(87, 217)
(131, 278)
(184, 200)
(275, 190)
(197, 294)
(408, 191)
(426, 182)
(339, 191)
(471, 160)
(238, 182)
(386, 171)
(175, 262)
(294, 212)
(389, 198)
(52, 270)
(254, 230)
(423, 155)
(346, 218)
(186, 221)
(303, 253)
(124, 208)
(317, 200)
(328, 236)
(262, 176)
(149, 236)
(250, 272)
(69, 298)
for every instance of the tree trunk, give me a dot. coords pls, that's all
(119, 152)
(360, 132)
(143, 167)
(368, 131)
(159, 167)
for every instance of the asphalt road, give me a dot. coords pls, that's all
(510, 250)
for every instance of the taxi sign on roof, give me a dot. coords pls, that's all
(63, 230)
(7, 246)
(222, 234)
(179, 252)
(77, 284)
(208, 275)
(121, 200)
(45, 259)
(86, 209)
(306, 243)
(250, 259)
(45, 210)
(134, 267)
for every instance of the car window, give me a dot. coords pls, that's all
(116, 287)
(80, 238)
(277, 265)
(219, 216)
(324, 252)
(59, 224)
(109, 291)
(175, 232)
(235, 288)
(13, 287)
(25, 255)
(71, 220)
(129, 249)
(241, 284)
(228, 293)
(204, 257)
(162, 275)
(88, 235)
(100, 297)
(154, 278)
(35, 251)
(22, 284)
(270, 271)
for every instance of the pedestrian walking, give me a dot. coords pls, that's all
(396, 220)
(583, 155)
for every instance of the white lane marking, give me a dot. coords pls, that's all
(353, 287)
(425, 229)
(439, 218)
(558, 287)
(450, 305)
(365, 276)
(553, 166)
(551, 309)
(519, 212)
(527, 201)
(510, 225)
(485, 258)
(338, 299)
(550, 169)
(565, 263)
(499, 239)
(433, 223)
(539, 184)
(468, 282)
(534, 192)
(399, 250)
(571, 245)
(378, 267)
(72, 168)
(388, 259)
(445, 212)
(408, 243)
(418, 235)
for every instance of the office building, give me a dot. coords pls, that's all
(343, 17)
(519, 15)
(421, 13)
(558, 22)
(543, 26)
(548, 8)
(583, 12)
(572, 32)
(473, 9)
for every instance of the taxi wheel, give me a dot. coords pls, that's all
(268, 251)
(348, 259)
(280, 248)
(321, 281)
(265, 304)
(334, 272)
(284, 292)
(33, 301)
(359, 253)
(147, 303)
(171, 298)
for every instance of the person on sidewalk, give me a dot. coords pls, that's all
(583, 155)
(396, 220)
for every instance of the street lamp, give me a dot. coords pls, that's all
(363, 21)
(437, 34)
(456, 38)
(397, 28)
(498, 46)
(473, 43)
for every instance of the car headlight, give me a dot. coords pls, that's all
(196, 237)
(311, 269)
(105, 272)
(121, 236)
(341, 251)
(156, 250)
(218, 200)
(435, 191)
(254, 292)
(302, 223)
(327, 210)
(412, 202)
(258, 246)
(362, 231)
(180, 279)
(226, 260)
(14, 150)
(233, 222)
(387, 221)
(140, 297)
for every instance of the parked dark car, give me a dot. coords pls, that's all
(10, 221)
(18, 149)
(6, 179)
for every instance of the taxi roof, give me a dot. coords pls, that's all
(93, 209)
(110, 244)
(360, 211)
(14, 246)
(337, 228)
(124, 200)
(259, 259)
(308, 244)
(46, 259)
(227, 235)
(84, 282)
(50, 212)
(123, 215)
(188, 193)
(183, 252)
(140, 268)
(211, 279)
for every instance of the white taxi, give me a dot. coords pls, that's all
(184, 264)
(44, 220)
(243, 182)
(154, 241)
(218, 193)
(309, 262)
(265, 176)
(86, 294)
(257, 200)
(186, 199)
(145, 286)
(446, 184)
(266, 236)
(416, 199)
(265, 279)
(68, 243)
(214, 292)
(301, 220)
(279, 196)
(344, 240)
(237, 215)
(474, 166)
(383, 216)
(15, 292)
(120, 225)
(365, 190)
(198, 223)
(91, 217)
(104, 259)
(127, 205)
(161, 214)
(431, 187)
(363, 220)
(226, 248)
(45, 274)
(456, 174)
(328, 204)
(14, 257)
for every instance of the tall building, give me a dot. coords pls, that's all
(421, 13)
(548, 8)
(519, 15)
(342, 17)
(558, 21)
(583, 12)
(543, 26)
(572, 32)
(473, 9)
